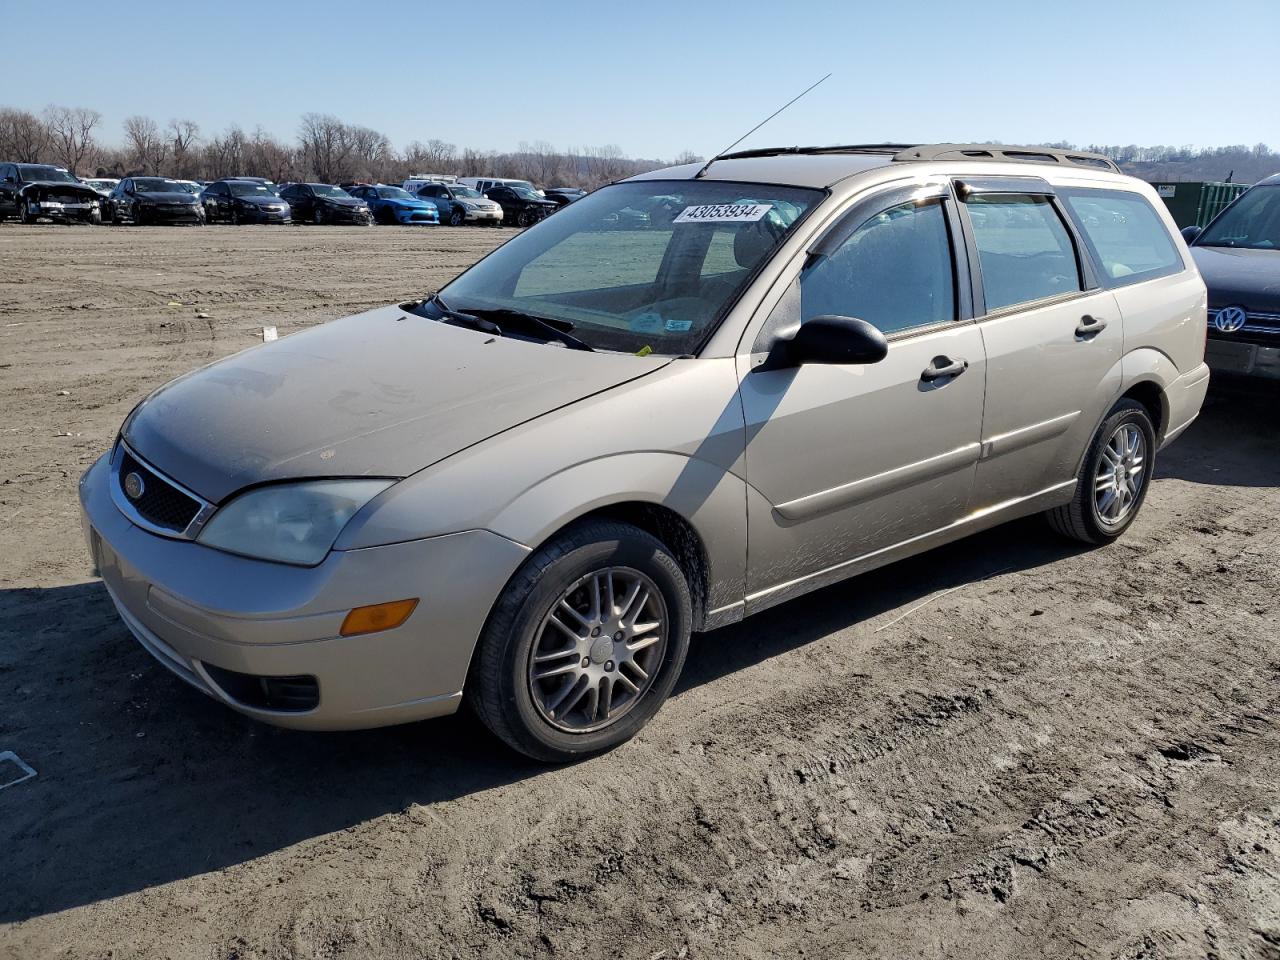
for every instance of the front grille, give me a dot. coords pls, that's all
(1256, 321)
(161, 503)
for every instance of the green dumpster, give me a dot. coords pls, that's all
(1194, 203)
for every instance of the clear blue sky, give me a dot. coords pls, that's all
(657, 77)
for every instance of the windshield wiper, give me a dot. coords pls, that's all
(456, 318)
(555, 329)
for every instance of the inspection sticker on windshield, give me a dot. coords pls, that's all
(724, 213)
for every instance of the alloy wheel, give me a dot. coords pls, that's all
(598, 650)
(1121, 474)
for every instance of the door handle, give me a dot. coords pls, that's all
(1090, 326)
(941, 367)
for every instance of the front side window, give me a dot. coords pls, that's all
(1129, 240)
(894, 271)
(628, 282)
(1252, 222)
(1024, 249)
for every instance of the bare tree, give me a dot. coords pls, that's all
(24, 137)
(183, 135)
(224, 156)
(268, 157)
(71, 133)
(687, 156)
(325, 145)
(148, 150)
(605, 164)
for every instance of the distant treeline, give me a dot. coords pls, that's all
(331, 150)
(1240, 163)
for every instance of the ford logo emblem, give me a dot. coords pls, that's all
(133, 486)
(1230, 319)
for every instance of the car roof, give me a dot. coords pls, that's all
(1268, 181)
(825, 166)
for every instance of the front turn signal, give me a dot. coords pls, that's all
(379, 616)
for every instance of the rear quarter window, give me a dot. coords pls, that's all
(1127, 238)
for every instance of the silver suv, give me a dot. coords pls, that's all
(528, 489)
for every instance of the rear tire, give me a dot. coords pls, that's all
(1106, 502)
(518, 707)
(317, 215)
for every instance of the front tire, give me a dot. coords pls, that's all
(1113, 480)
(584, 645)
(457, 217)
(317, 215)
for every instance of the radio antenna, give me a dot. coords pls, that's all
(707, 166)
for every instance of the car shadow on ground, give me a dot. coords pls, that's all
(143, 780)
(1235, 441)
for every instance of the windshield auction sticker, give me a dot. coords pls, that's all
(724, 213)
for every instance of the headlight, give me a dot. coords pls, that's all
(468, 205)
(290, 523)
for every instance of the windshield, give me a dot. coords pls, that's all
(1253, 222)
(157, 185)
(241, 188)
(466, 193)
(525, 194)
(28, 172)
(654, 284)
(393, 193)
(324, 190)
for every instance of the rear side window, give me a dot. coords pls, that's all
(895, 271)
(1127, 238)
(1024, 249)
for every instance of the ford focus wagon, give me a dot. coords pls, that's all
(525, 491)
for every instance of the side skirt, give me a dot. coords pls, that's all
(979, 520)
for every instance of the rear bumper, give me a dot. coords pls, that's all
(200, 612)
(1185, 397)
(1242, 358)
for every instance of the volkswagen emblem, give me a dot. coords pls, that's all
(1230, 319)
(133, 485)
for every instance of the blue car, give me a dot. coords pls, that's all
(394, 205)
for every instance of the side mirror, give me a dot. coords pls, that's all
(1190, 233)
(828, 339)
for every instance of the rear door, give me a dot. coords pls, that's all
(850, 460)
(1053, 338)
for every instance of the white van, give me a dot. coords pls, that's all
(488, 183)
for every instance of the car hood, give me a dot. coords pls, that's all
(262, 201)
(411, 204)
(81, 188)
(382, 393)
(169, 196)
(340, 202)
(1233, 275)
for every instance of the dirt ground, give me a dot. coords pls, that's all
(1011, 747)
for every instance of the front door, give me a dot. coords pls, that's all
(846, 461)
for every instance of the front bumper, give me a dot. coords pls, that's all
(260, 215)
(186, 213)
(201, 612)
(415, 217)
(484, 216)
(1242, 358)
(84, 212)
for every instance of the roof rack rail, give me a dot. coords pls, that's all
(1000, 151)
(886, 148)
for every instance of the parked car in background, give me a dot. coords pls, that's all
(421, 179)
(325, 203)
(154, 200)
(104, 186)
(460, 204)
(1238, 254)
(484, 184)
(520, 207)
(32, 191)
(528, 489)
(270, 185)
(243, 201)
(395, 205)
(563, 196)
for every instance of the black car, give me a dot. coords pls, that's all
(29, 191)
(325, 203)
(521, 207)
(1238, 254)
(563, 196)
(142, 200)
(244, 201)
